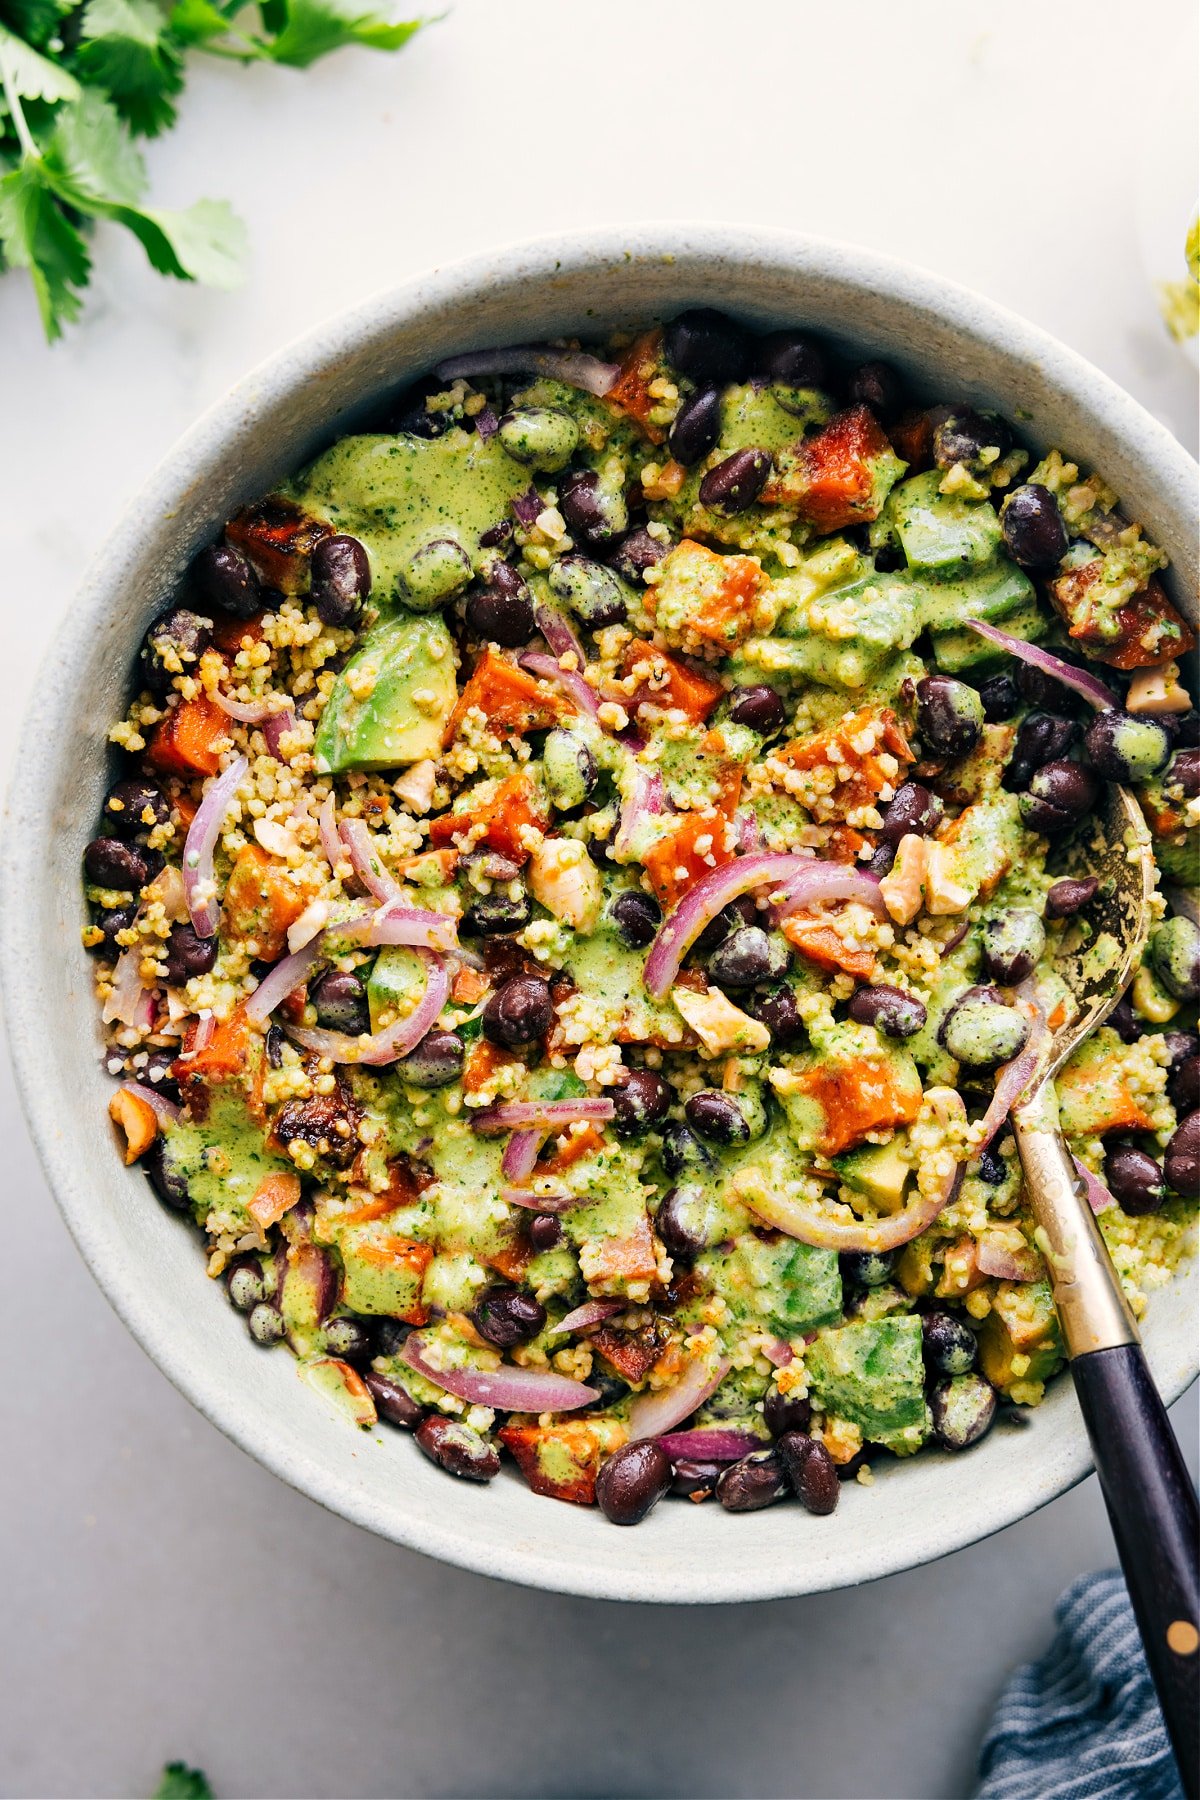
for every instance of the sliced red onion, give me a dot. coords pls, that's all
(558, 634)
(397, 924)
(508, 1388)
(283, 980)
(652, 1414)
(165, 1110)
(527, 506)
(1099, 1198)
(387, 1046)
(246, 712)
(592, 1312)
(366, 861)
(575, 367)
(200, 843)
(544, 1115)
(486, 423)
(778, 1354)
(648, 800)
(520, 1154)
(1003, 1264)
(557, 1201)
(1012, 1080)
(804, 878)
(1089, 687)
(205, 1032)
(749, 837)
(709, 1444)
(127, 995)
(546, 668)
(275, 730)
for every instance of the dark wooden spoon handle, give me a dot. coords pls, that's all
(1152, 1505)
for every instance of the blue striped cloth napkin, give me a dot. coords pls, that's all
(1084, 1722)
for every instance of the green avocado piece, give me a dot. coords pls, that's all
(389, 726)
(877, 1171)
(940, 532)
(795, 1286)
(394, 985)
(962, 649)
(223, 1156)
(872, 1373)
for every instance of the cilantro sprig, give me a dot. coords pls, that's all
(79, 83)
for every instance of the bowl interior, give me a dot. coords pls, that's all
(949, 343)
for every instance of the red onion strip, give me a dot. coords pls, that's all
(200, 843)
(647, 801)
(283, 980)
(165, 1110)
(366, 861)
(709, 1444)
(575, 367)
(996, 1259)
(388, 1046)
(508, 1388)
(654, 1413)
(530, 1200)
(558, 635)
(1012, 1080)
(592, 1312)
(1098, 1196)
(805, 879)
(275, 730)
(1089, 687)
(246, 712)
(520, 1154)
(546, 1115)
(121, 1006)
(546, 669)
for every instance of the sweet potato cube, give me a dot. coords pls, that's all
(278, 538)
(190, 739)
(563, 1460)
(509, 699)
(261, 900)
(1150, 631)
(839, 477)
(630, 393)
(671, 683)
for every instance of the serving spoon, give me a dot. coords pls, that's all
(1150, 1499)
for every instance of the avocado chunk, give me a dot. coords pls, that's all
(941, 532)
(395, 985)
(960, 649)
(794, 1285)
(878, 1172)
(872, 1373)
(1019, 1340)
(392, 701)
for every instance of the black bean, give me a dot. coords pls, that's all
(694, 1479)
(682, 1151)
(777, 1009)
(811, 1472)
(347, 1337)
(593, 514)
(707, 345)
(962, 1410)
(696, 427)
(949, 1345)
(109, 921)
(1182, 779)
(111, 862)
(747, 957)
(635, 917)
(1181, 1045)
(392, 1402)
(265, 1323)
(1125, 1022)
(436, 1061)
(785, 1412)
(1013, 943)
(981, 1032)
(545, 1232)
(961, 435)
(411, 415)
(756, 1481)
(1058, 796)
(390, 1336)
(758, 707)
(1175, 956)
(632, 1482)
(735, 484)
(187, 955)
(637, 553)
(683, 1221)
(569, 769)
(1125, 746)
(866, 1268)
(506, 1317)
(889, 1009)
(991, 1168)
(540, 437)
(340, 999)
(519, 1012)
(913, 810)
(641, 1101)
(246, 1283)
(1181, 1164)
(458, 1448)
(881, 860)
(888, 558)
(949, 715)
(1034, 533)
(166, 1177)
(877, 385)
(591, 591)
(999, 698)
(502, 612)
(180, 635)
(1041, 738)
(341, 579)
(222, 576)
(496, 915)
(1185, 730)
(717, 1117)
(1183, 1086)
(739, 912)
(134, 807)
(1069, 896)
(793, 359)
(1039, 688)
(1134, 1179)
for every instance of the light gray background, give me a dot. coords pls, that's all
(163, 1596)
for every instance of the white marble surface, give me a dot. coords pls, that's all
(164, 1596)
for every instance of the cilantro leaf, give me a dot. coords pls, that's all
(304, 30)
(127, 52)
(178, 1782)
(35, 234)
(37, 21)
(90, 159)
(196, 22)
(30, 75)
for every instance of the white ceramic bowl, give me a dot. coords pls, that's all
(952, 344)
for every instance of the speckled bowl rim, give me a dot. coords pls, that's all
(710, 263)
